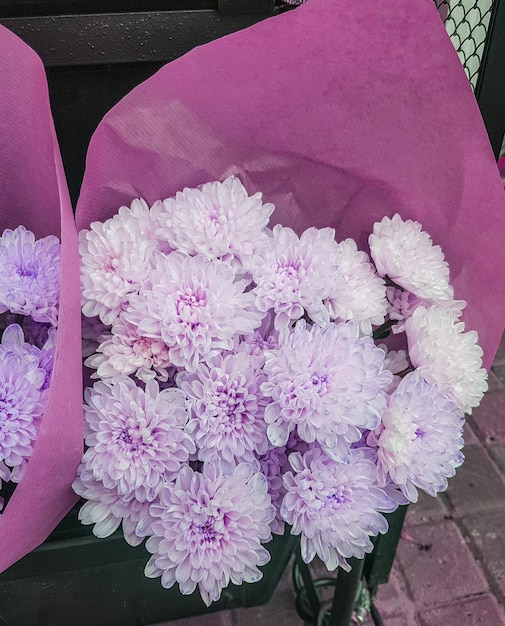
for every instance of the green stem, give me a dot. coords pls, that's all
(383, 331)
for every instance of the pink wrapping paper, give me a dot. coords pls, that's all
(33, 192)
(340, 113)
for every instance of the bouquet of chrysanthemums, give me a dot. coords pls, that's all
(40, 344)
(249, 378)
(30, 272)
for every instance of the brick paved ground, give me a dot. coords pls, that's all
(450, 566)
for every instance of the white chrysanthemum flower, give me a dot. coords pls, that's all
(144, 221)
(420, 438)
(396, 361)
(115, 261)
(405, 253)
(294, 275)
(358, 293)
(327, 383)
(334, 506)
(123, 351)
(217, 220)
(30, 275)
(402, 303)
(226, 409)
(136, 437)
(195, 306)
(106, 509)
(208, 530)
(447, 356)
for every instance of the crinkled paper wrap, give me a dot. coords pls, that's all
(33, 192)
(340, 113)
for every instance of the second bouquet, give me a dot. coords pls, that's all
(249, 378)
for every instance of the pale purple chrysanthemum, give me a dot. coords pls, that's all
(255, 346)
(30, 275)
(136, 437)
(227, 409)
(262, 339)
(13, 340)
(208, 530)
(447, 356)
(216, 220)
(273, 465)
(396, 361)
(402, 304)
(115, 261)
(21, 408)
(195, 306)
(294, 275)
(143, 222)
(123, 351)
(107, 510)
(420, 438)
(405, 253)
(357, 292)
(327, 383)
(334, 506)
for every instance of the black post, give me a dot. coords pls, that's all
(490, 89)
(346, 592)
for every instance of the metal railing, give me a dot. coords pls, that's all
(467, 23)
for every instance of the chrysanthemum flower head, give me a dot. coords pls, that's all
(357, 292)
(403, 303)
(143, 222)
(123, 351)
(115, 261)
(273, 464)
(327, 383)
(227, 409)
(106, 509)
(405, 253)
(420, 438)
(208, 530)
(218, 220)
(446, 355)
(136, 437)
(21, 405)
(396, 361)
(294, 275)
(334, 506)
(30, 275)
(195, 306)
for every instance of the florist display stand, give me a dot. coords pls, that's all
(81, 560)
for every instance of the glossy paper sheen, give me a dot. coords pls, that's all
(33, 192)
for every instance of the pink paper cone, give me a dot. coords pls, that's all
(340, 113)
(33, 192)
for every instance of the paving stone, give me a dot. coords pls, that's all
(438, 564)
(403, 620)
(494, 382)
(489, 418)
(474, 611)
(500, 373)
(499, 358)
(477, 484)
(222, 618)
(426, 509)
(469, 435)
(497, 453)
(280, 610)
(392, 599)
(486, 532)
